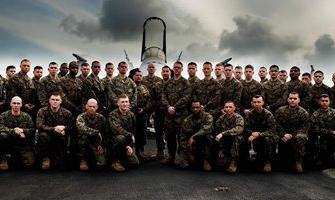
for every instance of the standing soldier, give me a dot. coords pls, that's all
(122, 124)
(192, 73)
(296, 85)
(37, 75)
(154, 84)
(85, 71)
(260, 131)
(21, 85)
(16, 134)
(10, 72)
(166, 73)
(175, 99)
(307, 79)
(323, 123)
(207, 91)
(195, 138)
(3, 94)
(72, 87)
(231, 88)
(109, 69)
(238, 73)
(91, 135)
(317, 89)
(250, 88)
(274, 91)
(121, 84)
(262, 73)
(228, 130)
(219, 73)
(292, 126)
(63, 70)
(55, 127)
(282, 76)
(93, 87)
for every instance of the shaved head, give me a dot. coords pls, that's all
(16, 99)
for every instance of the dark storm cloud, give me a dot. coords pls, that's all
(323, 53)
(254, 37)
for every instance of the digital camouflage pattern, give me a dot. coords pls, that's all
(303, 90)
(231, 91)
(275, 94)
(249, 90)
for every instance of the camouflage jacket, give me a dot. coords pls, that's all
(154, 85)
(197, 125)
(249, 90)
(22, 86)
(106, 81)
(263, 122)
(264, 81)
(229, 125)
(122, 124)
(47, 87)
(333, 96)
(8, 122)
(292, 120)
(3, 92)
(93, 87)
(143, 98)
(72, 89)
(88, 125)
(193, 80)
(231, 91)
(303, 90)
(316, 92)
(323, 122)
(275, 94)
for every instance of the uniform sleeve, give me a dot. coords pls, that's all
(4, 128)
(280, 119)
(271, 123)
(238, 129)
(206, 126)
(29, 130)
(283, 97)
(116, 126)
(185, 99)
(133, 100)
(40, 122)
(83, 129)
(317, 123)
(304, 125)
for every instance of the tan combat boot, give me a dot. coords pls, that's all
(207, 166)
(83, 165)
(4, 165)
(267, 167)
(46, 163)
(232, 167)
(116, 166)
(298, 167)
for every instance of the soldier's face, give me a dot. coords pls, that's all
(55, 101)
(238, 73)
(85, 70)
(229, 108)
(166, 73)
(306, 80)
(318, 78)
(207, 70)
(10, 73)
(64, 69)
(177, 69)
(109, 70)
(324, 102)
(38, 73)
(274, 73)
(192, 70)
(218, 71)
(196, 107)
(123, 104)
(25, 66)
(283, 76)
(91, 107)
(257, 103)
(138, 77)
(151, 68)
(96, 67)
(53, 69)
(293, 100)
(16, 104)
(123, 68)
(228, 72)
(248, 73)
(74, 69)
(262, 73)
(294, 73)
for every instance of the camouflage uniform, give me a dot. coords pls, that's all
(199, 126)
(93, 87)
(294, 121)
(264, 81)
(323, 123)
(123, 130)
(333, 96)
(316, 92)
(91, 133)
(193, 80)
(51, 144)
(176, 93)
(10, 142)
(231, 91)
(303, 90)
(263, 122)
(72, 89)
(3, 94)
(47, 87)
(275, 94)
(106, 81)
(118, 87)
(249, 90)
(82, 78)
(208, 93)
(231, 128)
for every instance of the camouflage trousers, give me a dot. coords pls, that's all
(296, 146)
(118, 151)
(87, 145)
(327, 148)
(23, 147)
(229, 145)
(265, 147)
(172, 126)
(159, 125)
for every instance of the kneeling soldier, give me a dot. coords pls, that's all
(91, 135)
(16, 134)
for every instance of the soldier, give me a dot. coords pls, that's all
(72, 89)
(38, 73)
(55, 127)
(323, 123)
(317, 89)
(262, 73)
(93, 87)
(122, 124)
(3, 94)
(21, 85)
(219, 73)
(85, 71)
(195, 138)
(292, 126)
(166, 73)
(91, 135)
(175, 99)
(109, 69)
(228, 130)
(282, 76)
(250, 88)
(16, 134)
(333, 92)
(141, 112)
(298, 86)
(274, 91)
(307, 79)
(192, 73)
(260, 130)
(231, 88)
(207, 91)
(121, 84)
(238, 73)
(10, 71)
(63, 70)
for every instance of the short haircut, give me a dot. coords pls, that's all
(24, 60)
(120, 63)
(192, 63)
(10, 67)
(306, 74)
(318, 72)
(85, 64)
(220, 64)
(274, 67)
(294, 93)
(295, 67)
(122, 96)
(208, 63)
(228, 65)
(63, 65)
(38, 67)
(166, 67)
(238, 67)
(52, 63)
(284, 71)
(249, 67)
(73, 63)
(324, 96)
(109, 63)
(133, 72)
(258, 96)
(178, 62)
(263, 68)
(95, 62)
(229, 102)
(55, 93)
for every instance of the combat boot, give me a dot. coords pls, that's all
(46, 163)
(83, 165)
(167, 161)
(207, 166)
(232, 167)
(4, 165)
(298, 167)
(116, 166)
(267, 167)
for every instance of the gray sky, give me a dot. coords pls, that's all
(257, 32)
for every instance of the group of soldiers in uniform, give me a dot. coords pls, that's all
(209, 122)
